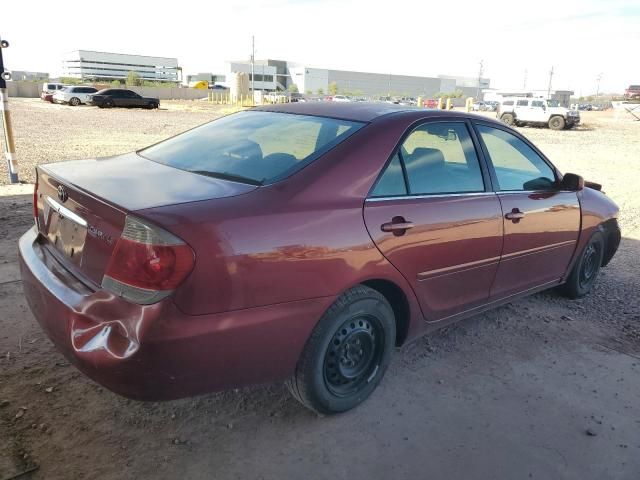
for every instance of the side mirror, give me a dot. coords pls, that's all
(572, 182)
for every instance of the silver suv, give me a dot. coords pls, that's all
(536, 111)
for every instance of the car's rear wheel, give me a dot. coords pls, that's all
(75, 101)
(108, 104)
(556, 123)
(585, 271)
(508, 119)
(347, 354)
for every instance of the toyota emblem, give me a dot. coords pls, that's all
(62, 193)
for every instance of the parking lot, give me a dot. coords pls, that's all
(541, 388)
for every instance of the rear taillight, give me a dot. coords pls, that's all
(147, 263)
(35, 200)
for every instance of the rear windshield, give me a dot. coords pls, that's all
(252, 147)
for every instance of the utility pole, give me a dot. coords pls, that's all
(389, 92)
(9, 147)
(549, 87)
(480, 72)
(524, 83)
(598, 78)
(253, 54)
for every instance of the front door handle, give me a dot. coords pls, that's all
(398, 226)
(515, 215)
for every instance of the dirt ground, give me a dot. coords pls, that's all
(541, 388)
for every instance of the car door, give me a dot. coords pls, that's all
(521, 109)
(541, 221)
(432, 215)
(538, 111)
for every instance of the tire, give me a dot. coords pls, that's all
(585, 271)
(74, 101)
(359, 332)
(556, 123)
(509, 119)
(108, 104)
(152, 105)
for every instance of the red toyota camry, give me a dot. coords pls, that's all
(299, 242)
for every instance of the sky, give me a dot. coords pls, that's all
(517, 42)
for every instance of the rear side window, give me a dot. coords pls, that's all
(253, 147)
(392, 183)
(517, 165)
(438, 158)
(508, 102)
(522, 103)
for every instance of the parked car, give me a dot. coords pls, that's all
(48, 89)
(632, 92)
(536, 111)
(73, 95)
(341, 98)
(299, 242)
(120, 97)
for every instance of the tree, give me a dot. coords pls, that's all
(116, 83)
(133, 79)
(293, 88)
(333, 88)
(308, 92)
(320, 91)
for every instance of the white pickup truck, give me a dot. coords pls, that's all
(536, 111)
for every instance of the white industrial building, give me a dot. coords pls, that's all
(91, 65)
(274, 75)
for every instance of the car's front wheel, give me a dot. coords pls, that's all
(556, 123)
(347, 354)
(75, 101)
(108, 104)
(585, 271)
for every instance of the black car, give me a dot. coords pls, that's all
(119, 97)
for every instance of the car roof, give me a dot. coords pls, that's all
(362, 111)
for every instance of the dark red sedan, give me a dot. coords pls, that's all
(299, 242)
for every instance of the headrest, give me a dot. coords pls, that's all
(430, 157)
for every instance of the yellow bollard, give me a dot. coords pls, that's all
(449, 104)
(440, 103)
(419, 102)
(469, 104)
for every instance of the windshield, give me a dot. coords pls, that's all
(252, 147)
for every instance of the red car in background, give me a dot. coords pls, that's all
(299, 242)
(632, 92)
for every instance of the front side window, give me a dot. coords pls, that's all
(517, 165)
(253, 147)
(537, 103)
(438, 158)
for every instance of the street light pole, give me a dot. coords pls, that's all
(598, 78)
(480, 71)
(9, 147)
(253, 54)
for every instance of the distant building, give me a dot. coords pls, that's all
(212, 78)
(90, 65)
(273, 75)
(24, 75)
(563, 97)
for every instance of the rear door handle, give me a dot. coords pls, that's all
(398, 225)
(515, 215)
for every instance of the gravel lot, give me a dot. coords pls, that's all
(542, 388)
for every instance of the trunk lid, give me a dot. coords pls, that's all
(82, 205)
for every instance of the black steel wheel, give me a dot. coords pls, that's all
(353, 355)
(347, 353)
(586, 268)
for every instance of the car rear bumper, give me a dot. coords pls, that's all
(156, 352)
